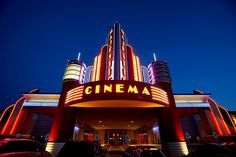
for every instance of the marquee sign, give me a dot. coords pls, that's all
(116, 90)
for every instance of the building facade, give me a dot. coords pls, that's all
(115, 102)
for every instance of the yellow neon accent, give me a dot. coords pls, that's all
(78, 97)
(111, 31)
(159, 93)
(94, 69)
(75, 92)
(88, 90)
(73, 71)
(132, 89)
(160, 99)
(97, 77)
(110, 58)
(97, 89)
(145, 91)
(139, 72)
(157, 89)
(123, 58)
(75, 89)
(135, 67)
(119, 88)
(108, 88)
(72, 96)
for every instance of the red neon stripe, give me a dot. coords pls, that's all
(6, 125)
(216, 123)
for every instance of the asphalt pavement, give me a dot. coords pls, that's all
(115, 151)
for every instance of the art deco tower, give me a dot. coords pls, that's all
(116, 60)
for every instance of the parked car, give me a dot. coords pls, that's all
(143, 151)
(231, 146)
(18, 147)
(77, 148)
(210, 149)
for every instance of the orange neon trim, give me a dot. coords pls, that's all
(16, 121)
(228, 117)
(8, 120)
(216, 123)
(5, 111)
(226, 127)
(33, 90)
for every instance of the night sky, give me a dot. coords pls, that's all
(196, 37)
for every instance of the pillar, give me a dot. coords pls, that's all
(171, 134)
(63, 124)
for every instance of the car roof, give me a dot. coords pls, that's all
(6, 140)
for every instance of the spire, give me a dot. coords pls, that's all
(78, 56)
(154, 56)
(117, 48)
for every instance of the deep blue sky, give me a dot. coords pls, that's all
(196, 37)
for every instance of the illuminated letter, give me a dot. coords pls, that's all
(88, 90)
(145, 91)
(97, 89)
(108, 88)
(132, 89)
(119, 88)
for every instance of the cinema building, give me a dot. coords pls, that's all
(119, 102)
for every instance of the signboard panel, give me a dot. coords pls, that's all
(116, 90)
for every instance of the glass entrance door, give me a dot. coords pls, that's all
(115, 136)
